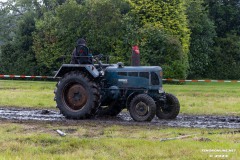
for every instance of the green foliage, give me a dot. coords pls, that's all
(225, 60)
(7, 57)
(8, 18)
(111, 27)
(165, 39)
(17, 56)
(45, 45)
(161, 49)
(202, 39)
(166, 14)
(104, 31)
(34, 35)
(111, 34)
(58, 29)
(225, 14)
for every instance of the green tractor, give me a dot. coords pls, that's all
(85, 90)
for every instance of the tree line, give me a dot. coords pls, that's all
(187, 38)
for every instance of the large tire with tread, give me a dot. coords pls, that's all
(77, 96)
(113, 109)
(171, 110)
(142, 108)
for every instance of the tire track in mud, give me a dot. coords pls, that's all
(189, 121)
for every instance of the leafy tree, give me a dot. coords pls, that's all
(157, 47)
(169, 15)
(17, 56)
(225, 57)
(8, 19)
(202, 39)
(167, 19)
(58, 31)
(225, 14)
(6, 58)
(38, 34)
(225, 60)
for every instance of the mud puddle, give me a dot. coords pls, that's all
(189, 121)
(29, 114)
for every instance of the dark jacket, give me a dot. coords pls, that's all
(80, 55)
(74, 59)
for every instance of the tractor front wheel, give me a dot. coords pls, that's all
(142, 108)
(171, 108)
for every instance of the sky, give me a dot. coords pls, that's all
(3, 0)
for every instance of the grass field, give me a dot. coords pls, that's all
(208, 98)
(95, 140)
(27, 94)
(195, 98)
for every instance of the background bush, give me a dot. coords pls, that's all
(189, 39)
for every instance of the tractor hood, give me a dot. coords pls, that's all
(116, 68)
(138, 77)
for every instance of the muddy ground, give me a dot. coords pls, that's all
(189, 121)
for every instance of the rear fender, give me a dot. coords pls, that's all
(65, 68)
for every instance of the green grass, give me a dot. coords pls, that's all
(208, 98)
(97, 141)
(93, 140)
(195, 98)
(36, 94)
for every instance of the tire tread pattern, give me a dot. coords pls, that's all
(93, 89)
(175, 110)
(151, 103)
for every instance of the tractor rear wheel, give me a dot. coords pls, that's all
(142, 108)
(77, 97)
(171, 110)
(113, 109)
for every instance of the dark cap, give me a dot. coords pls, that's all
(81, 41)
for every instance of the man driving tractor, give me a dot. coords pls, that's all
(80, 54)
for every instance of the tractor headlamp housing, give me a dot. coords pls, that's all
(160, 90)
(161, 74)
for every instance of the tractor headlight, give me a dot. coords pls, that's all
(161, 90)
(161, 74)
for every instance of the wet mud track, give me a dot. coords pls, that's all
(189, 121)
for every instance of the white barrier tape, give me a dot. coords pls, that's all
(209, 81)
(23, 76)
(169, 80)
